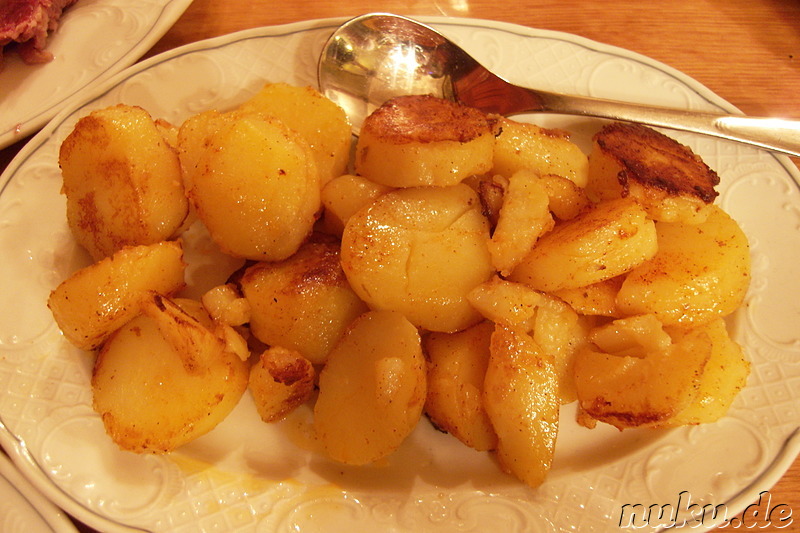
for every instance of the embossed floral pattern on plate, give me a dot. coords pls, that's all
(249, 476)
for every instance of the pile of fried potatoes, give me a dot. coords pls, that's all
(474, 269)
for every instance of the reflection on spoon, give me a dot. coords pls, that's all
(374, 57)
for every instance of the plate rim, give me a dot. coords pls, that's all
(29, 467)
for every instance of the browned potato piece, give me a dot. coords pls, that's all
(372, 390)
(667, 178)
(280, 381)
(491, 191)
(701, 272)
(598, 299)
(122, 181)
(420, 251)
(226, 305)
(418, 140)
(456, 372)
(322, 123)
(565, 199)
(164, 379)
(610, 239)
(554, 326)
(646, 388)
(506, 302)
(524, 217)
(97, 299)
(343, 196)
(303, 303)
(521, 145)
(724, 376)
(253, 182)
(522, 402)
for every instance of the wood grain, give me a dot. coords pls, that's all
(746, 51)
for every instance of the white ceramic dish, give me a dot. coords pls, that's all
(23, 509)
(248, 476)
(96, 38)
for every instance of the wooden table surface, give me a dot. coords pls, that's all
(746, 51)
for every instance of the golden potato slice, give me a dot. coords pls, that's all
(164, 379)
(372, 390)
(420, 251)
(225, 304)
(122, 180)
(565, 199)
(456, 372)
(645, 389)
(322, 123)
(506, 302)
(597, 299)
(252, 181)
(608, 240)
(521, 400)
(667, 178)
(635, 336)
(560, 331)
(303, 303)
(554, 326)
(343, 196)
(419, 140)
(524, 217)
(280, 381)
(524, 146)
(97, 299)
(701, 272)
(724, 376)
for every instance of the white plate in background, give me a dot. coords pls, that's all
(249, 476)
(95, 38)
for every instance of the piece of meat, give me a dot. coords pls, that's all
(28, 22)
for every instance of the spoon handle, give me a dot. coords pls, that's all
(781, 135)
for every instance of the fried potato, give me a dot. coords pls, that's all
(420, 251)
(524, 217)
(164, 379)
(555, 326)
(667, 178)
(252, 181)
(524, 146)
(372, 390)
(419, 140)
(701, 272)
(565, 199)
(226, 305)
(505, 302)
(343, 196)
(280, 381)
(491, 190)
(521, 400)
(97, 299)
(597, 299)
(608, 240)
(724, 376)
(456, 371)
(122, 181)
(322, 123)
(611, 386)
(303, 303)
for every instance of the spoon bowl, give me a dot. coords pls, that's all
(372, 58)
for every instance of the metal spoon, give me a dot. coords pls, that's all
(374, 57)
